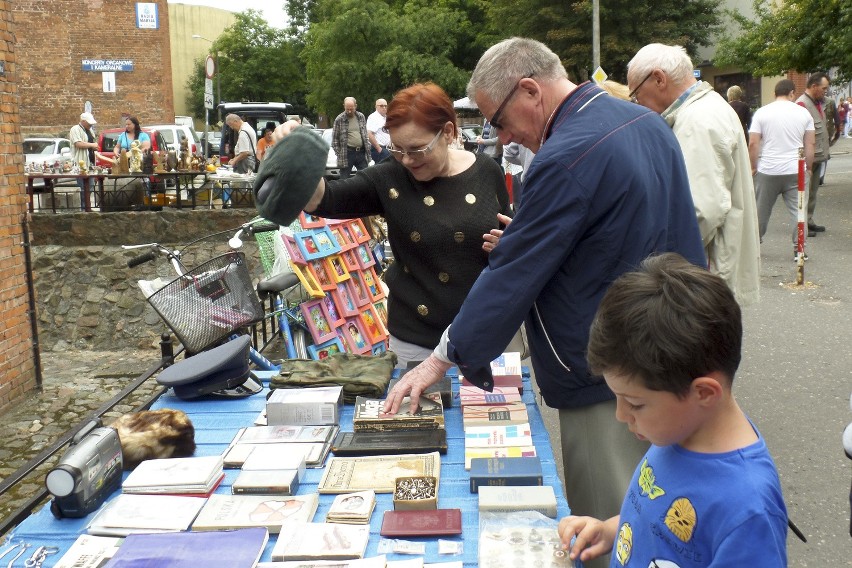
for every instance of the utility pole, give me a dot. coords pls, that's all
(596, 34)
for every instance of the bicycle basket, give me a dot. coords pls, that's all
(209, 302)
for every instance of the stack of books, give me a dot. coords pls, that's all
(269, 470)
(352, 508)
(497, 441)
(506, 370)
(197, 476)
(314, 441)
(371, 417)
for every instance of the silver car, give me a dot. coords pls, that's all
(41, 152)
(331, 169)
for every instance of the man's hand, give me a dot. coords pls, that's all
(284, 129)
(594, 537)
(414, 382)
(492, 238)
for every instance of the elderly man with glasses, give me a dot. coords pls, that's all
(717, 161)
(607, 188)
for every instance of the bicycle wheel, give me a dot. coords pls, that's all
(300, 343)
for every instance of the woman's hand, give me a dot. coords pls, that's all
(414, 382)
(492, 238)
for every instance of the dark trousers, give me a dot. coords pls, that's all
(357, 158)
(379, 156)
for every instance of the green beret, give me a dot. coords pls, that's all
(289, 175)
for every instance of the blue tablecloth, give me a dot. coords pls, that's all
(216, 423)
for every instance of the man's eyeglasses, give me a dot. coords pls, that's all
(495, 120)
(632, 95)
(414, 154)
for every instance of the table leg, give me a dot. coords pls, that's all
(30, 192)
(85, 196)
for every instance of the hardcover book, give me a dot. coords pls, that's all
(174, 475)
(242, 548)
(470, 395)
(314, 452)
(266, 482)
(495, 414)
(315, 406)
(387, 443)
(316, 541)
(127, 513)
(522, 498)
(379, 473)
(352, 508)
(444, 387)
(498, 436)
(497, 452)
(499, 472)
(371, 417)
(437, 522)
(241, 511)
(89, 551)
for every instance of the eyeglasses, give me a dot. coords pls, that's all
(632, 95)
(414, 154)
(495, 120)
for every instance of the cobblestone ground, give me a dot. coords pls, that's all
(74, 385)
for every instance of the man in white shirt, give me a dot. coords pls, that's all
(776, 133)
(379, 139)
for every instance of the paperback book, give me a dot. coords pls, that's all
(284, 433)
(175, 475)
(321, 541)
(308, 406)
(495, 414)
(521, 498)
(352, 508)
(314, 452)
(500, 472)
(387, 443)
(498, 436)
(272, 456)
(89, 551)
(379, 473)
(241, 511)
(470, 395)
(266, 482)
(127, 513)
(371, 562)
(436, 522)
(371, 417)
(498, 452)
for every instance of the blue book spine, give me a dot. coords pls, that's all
(499, 472)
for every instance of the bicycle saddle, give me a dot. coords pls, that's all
(221, 371)
(277, 283)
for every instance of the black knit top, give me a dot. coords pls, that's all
(435, 230)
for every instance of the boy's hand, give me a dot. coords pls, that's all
(594, 537)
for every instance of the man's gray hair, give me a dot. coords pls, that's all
(670, 59)
(504, 64)
(232, 118)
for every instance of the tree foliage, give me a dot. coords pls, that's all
(256, 62)
(802, 35)
(625, 26)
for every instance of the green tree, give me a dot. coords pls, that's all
(256, 62)
(626, 26)
(802, 35)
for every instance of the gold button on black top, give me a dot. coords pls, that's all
(458, 237)
(422, 310)
(415, 236)
(429, 200)
(470, 198)
(393, 193)
(444, 277)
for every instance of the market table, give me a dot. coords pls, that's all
(216, 422)
(50, 185)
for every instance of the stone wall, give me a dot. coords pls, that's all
(87, 297)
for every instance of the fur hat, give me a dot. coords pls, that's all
(289, 175)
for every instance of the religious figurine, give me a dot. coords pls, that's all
(82, 165)
(135, 157)
(184, 154)
(171, 162)
(147, 162)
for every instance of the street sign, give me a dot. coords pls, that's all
(208, 93)
(599, 75)
(210, 67)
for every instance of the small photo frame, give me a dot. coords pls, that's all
(344, 242)
(374, 285)
(382, 309)
(356, 335)
(326, 350)
(358, 289)
(341, 335)
(309, 221)
(380, 348)
(308, 280)
(350, 259)
(318, 321)
(307, 244)
(294, 251)
(365, 256)
(319, 268)
(346, 231)
(342, 296)
(359, 231)
(373, 325)
(334, 315)
(326, 242)
(336, 268)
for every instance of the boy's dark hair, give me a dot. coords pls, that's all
(667, 324)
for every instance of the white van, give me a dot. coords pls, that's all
(174, 132)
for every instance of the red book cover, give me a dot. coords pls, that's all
(435, 522)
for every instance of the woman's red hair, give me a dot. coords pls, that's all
(424, 104)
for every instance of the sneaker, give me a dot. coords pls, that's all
(796, 255)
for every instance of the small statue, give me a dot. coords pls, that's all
(147, 162)
(171, 162)
(82, 165)
(135, 163)
(184, 154)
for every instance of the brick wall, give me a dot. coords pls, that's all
(17, 370)
(54, 36)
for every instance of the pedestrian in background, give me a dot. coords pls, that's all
(735, 99)
(349, 139)
(265, 143)
(488, 143)
(379, 137)
(84, 146)
(813, 99)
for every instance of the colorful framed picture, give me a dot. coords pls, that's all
(326, 350)
(309, 221)
(336, 268)
(294, 251)
(382, 309)
(358, 289)
(356, 335)
(308, 280)
(326, 242)
(341, 335)
(350, 259)
(372, 325)
(365, 256)
(344, 242)
(379, 348)
(374, 285)
(342, 297)
(319, 268)
(359, 231)
(307, 244)
(334, 315)
(318, 321)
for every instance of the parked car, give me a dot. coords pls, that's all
(470, 132)
(109, 138)
(214, 141)
(258, 114)
(172, 134)
(39, 152)
(331, 169)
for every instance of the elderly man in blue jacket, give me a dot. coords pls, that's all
(607, 188)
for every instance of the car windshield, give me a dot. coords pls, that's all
(168, 135)
(39, 147)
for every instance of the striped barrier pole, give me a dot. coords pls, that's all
(800, 225)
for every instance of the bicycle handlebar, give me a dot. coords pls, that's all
(142, 259)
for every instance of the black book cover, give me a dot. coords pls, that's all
(397, 442)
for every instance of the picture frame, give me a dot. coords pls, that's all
(346, 231)
(356, 335)
(334, 315)
(342, 297)
(308, 280)
(358, 289)
(337, 268)
(327, 349)
(382, 309)
(309, 221)
(293, 250)
(374, 284)
(365, 256)
(325, 240)
(341, 238)
(319, 268)
(341, 335)
(318, 321)
(307, 245)
(358, 231)
(379, 348)
(372, 325)
(350, 259)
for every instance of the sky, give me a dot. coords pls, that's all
(273, 10)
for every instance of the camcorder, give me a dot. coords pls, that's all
(87, 474)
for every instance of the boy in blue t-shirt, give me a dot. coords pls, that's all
(667, 339)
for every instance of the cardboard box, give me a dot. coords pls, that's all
(415, 493)
(316, 406)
